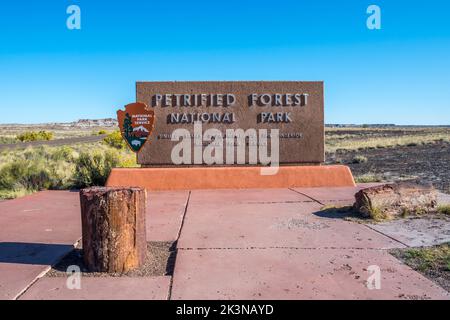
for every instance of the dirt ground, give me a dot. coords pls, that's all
(427, 163)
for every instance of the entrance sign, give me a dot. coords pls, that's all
(294, 108)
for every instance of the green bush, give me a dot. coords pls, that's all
(35, 169)
(115, 140)
(8, 174)
(92, 169)
(36, 177)
(99, 132)
(35, 136)
(31, 176)
(64, 153)
(7, 140)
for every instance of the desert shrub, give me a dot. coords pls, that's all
(128, 161)
(36, 177)
(93, 168)
(35, 154)
(7, 140)
(378, 215)
(115, 140)
(62, 175)
(45, 135)
(359, 159)
(27, 175)
(444, 209)
(35, 136)
(35, 169)
(7, 176)
(99, 132)
(12, 194)
(64, 153)
(368, 177)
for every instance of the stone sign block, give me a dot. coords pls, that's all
(291, 110)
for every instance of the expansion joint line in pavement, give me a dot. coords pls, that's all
(285, 248)
(169, 295)
(271, 202)
(392, 238)
(44, 272)
(304, 194)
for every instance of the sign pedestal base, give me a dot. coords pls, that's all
(191, 178)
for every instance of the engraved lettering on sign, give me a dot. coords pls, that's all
(295, 108)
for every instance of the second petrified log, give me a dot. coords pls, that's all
(390, 200)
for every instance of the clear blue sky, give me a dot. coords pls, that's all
(399, 74)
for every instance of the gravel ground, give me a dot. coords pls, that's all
(159, 262)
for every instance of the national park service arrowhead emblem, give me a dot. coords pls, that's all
(136, 124)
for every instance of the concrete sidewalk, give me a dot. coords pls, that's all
(36, 231)
(232, 244)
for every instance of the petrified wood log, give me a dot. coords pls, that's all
(113, 228)
(391, 200)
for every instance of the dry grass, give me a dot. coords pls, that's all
(433, 262)
(33, 169)
(444, 209)
(366, 138)
(8, 133)
(23, 171)
(426, 258)
(369, 178)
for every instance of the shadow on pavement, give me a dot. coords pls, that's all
(32, 253)
(337, 213)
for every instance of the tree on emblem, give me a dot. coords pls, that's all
(127, 127)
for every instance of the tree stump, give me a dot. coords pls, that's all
(113, 228)
(390, 200)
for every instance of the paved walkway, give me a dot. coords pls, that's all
(232, 244)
